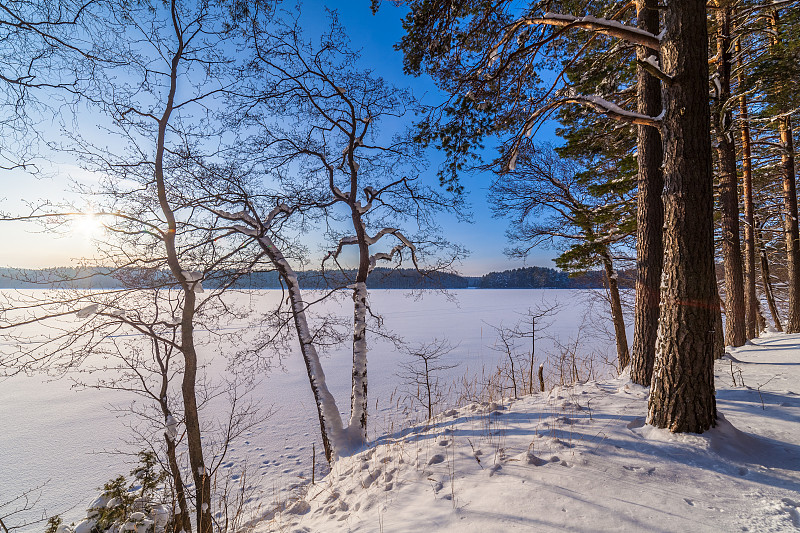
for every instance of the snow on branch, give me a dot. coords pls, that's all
(612, 110)
(404, 243)
(381, 233)
(251, 232)
(280, 208)
(652, 66)
(601, 105)
(344, 241)
(86, 312)
(383, 256)
(612, 28)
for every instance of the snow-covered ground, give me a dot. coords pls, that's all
(50, 433)
(580, 458)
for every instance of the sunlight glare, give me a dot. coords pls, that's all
(88, 226)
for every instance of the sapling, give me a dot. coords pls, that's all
(420, 374)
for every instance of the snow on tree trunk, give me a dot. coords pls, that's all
(649, 211)
(330, 421)
(358, 398)
(719, 328)
(682, 390)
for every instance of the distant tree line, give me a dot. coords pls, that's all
(550, 278)
(533, 277)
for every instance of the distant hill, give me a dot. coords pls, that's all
(381, 278)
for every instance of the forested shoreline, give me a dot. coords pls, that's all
(383, 278)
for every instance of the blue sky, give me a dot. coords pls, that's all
(374, 36)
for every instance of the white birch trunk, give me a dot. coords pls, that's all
(334, 439)
(358, 398)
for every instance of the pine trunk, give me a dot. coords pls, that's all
(649, 211)
(682, 391)
(719, 329)
(790, 224)
(750, 297)
(623, 357)
(765, 279)
(729, 198)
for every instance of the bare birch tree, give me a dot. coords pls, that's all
(327, 164)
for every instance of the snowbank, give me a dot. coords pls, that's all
(580, 459)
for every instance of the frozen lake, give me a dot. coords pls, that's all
(54, 435)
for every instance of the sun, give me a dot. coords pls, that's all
(88, 225)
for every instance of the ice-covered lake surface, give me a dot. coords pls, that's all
(66, 439)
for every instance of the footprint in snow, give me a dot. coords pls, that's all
(436, 459)
(538, 461)
(791, 507)
(636, 423)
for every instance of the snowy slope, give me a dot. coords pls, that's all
(580, 459)
(70, 440)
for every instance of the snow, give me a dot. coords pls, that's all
(171, 428)
(245, 230)
(191, 276)
(653, 60)
(88, 311)
(70, 440)
(512, 163)
(194, 280)
(744, 473)
(631, 32)
(717, 85)
(580, 458)
(610, 108)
